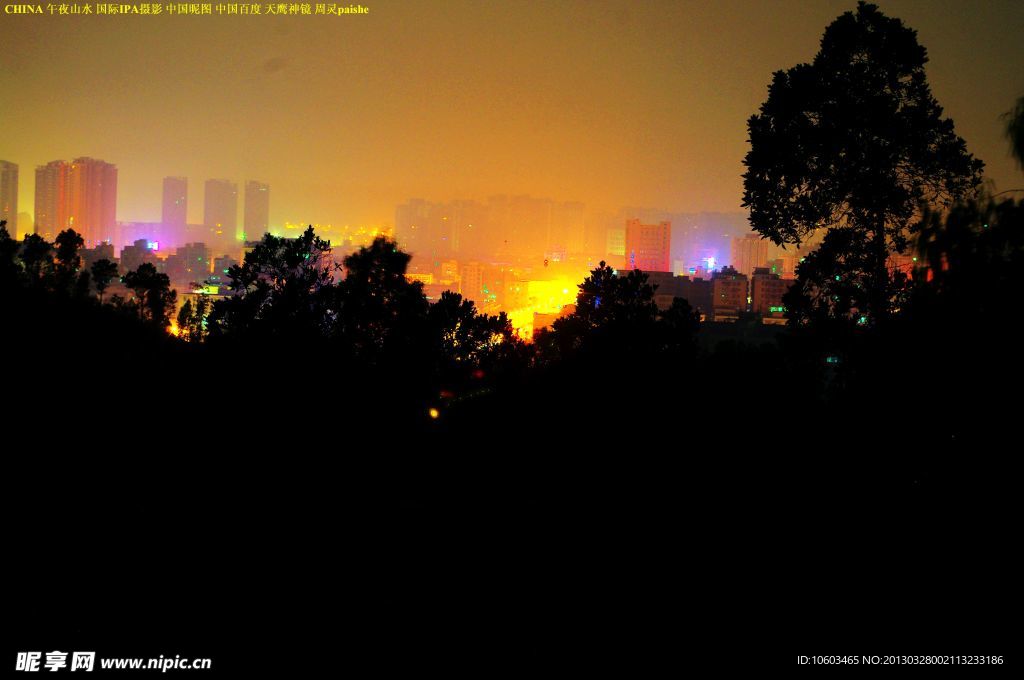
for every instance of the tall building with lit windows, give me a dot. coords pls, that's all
(257, 209)
(92, 199)
(9, 197)
(79, 195)
(51, 209)
(648, 246)
(174, 213)
(220, 206)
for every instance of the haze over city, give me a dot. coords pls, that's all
(605, 103)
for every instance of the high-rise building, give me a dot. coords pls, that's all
(257, 209)
(220, 207)
(749, 253)
(92, 199)
(9, 197)
(648, 246)
(175, 205)
(52, 199)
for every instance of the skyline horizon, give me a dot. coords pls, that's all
(195, 207)
(608, 104)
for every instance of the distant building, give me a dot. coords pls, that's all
(449, 272)
(155, 234)
(698, 292)
(52, 199)
(80, 195)
(257, 209)
(102, 251)
(92, 199)
(749, 253)
(9, 197)
(665, 287)
(137, 254)
(190, 264)
(220, 206)
(766, 291)
(648, 246)
(174, 214)
(472, 279)
(784, 266)
(729, 292)
(221, 265)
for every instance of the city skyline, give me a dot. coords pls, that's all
(650, 95)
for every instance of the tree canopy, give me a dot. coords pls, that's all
(854, 141)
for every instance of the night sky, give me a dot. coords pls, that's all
(610, 103)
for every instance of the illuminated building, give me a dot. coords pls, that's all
(749, 253)
(766, 291)
(92, 199)
(729, 291)
(220, 206)
(472, 278)
(425, 279)
(174, 213)
(9, 197)
(257, 209)
(80, 195)
(648, 246)
(52, 199)
(449, 272)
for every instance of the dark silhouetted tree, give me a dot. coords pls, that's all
(154, 298)
(67, 263)
(283, 288)
(36, 256)
(381, 309)
(1015, 131)
(854, 142)
(10, 270)
(466, 337)
(616, 316)
(68, 243)
(103, 272)
(678, 326)
(192, 319)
